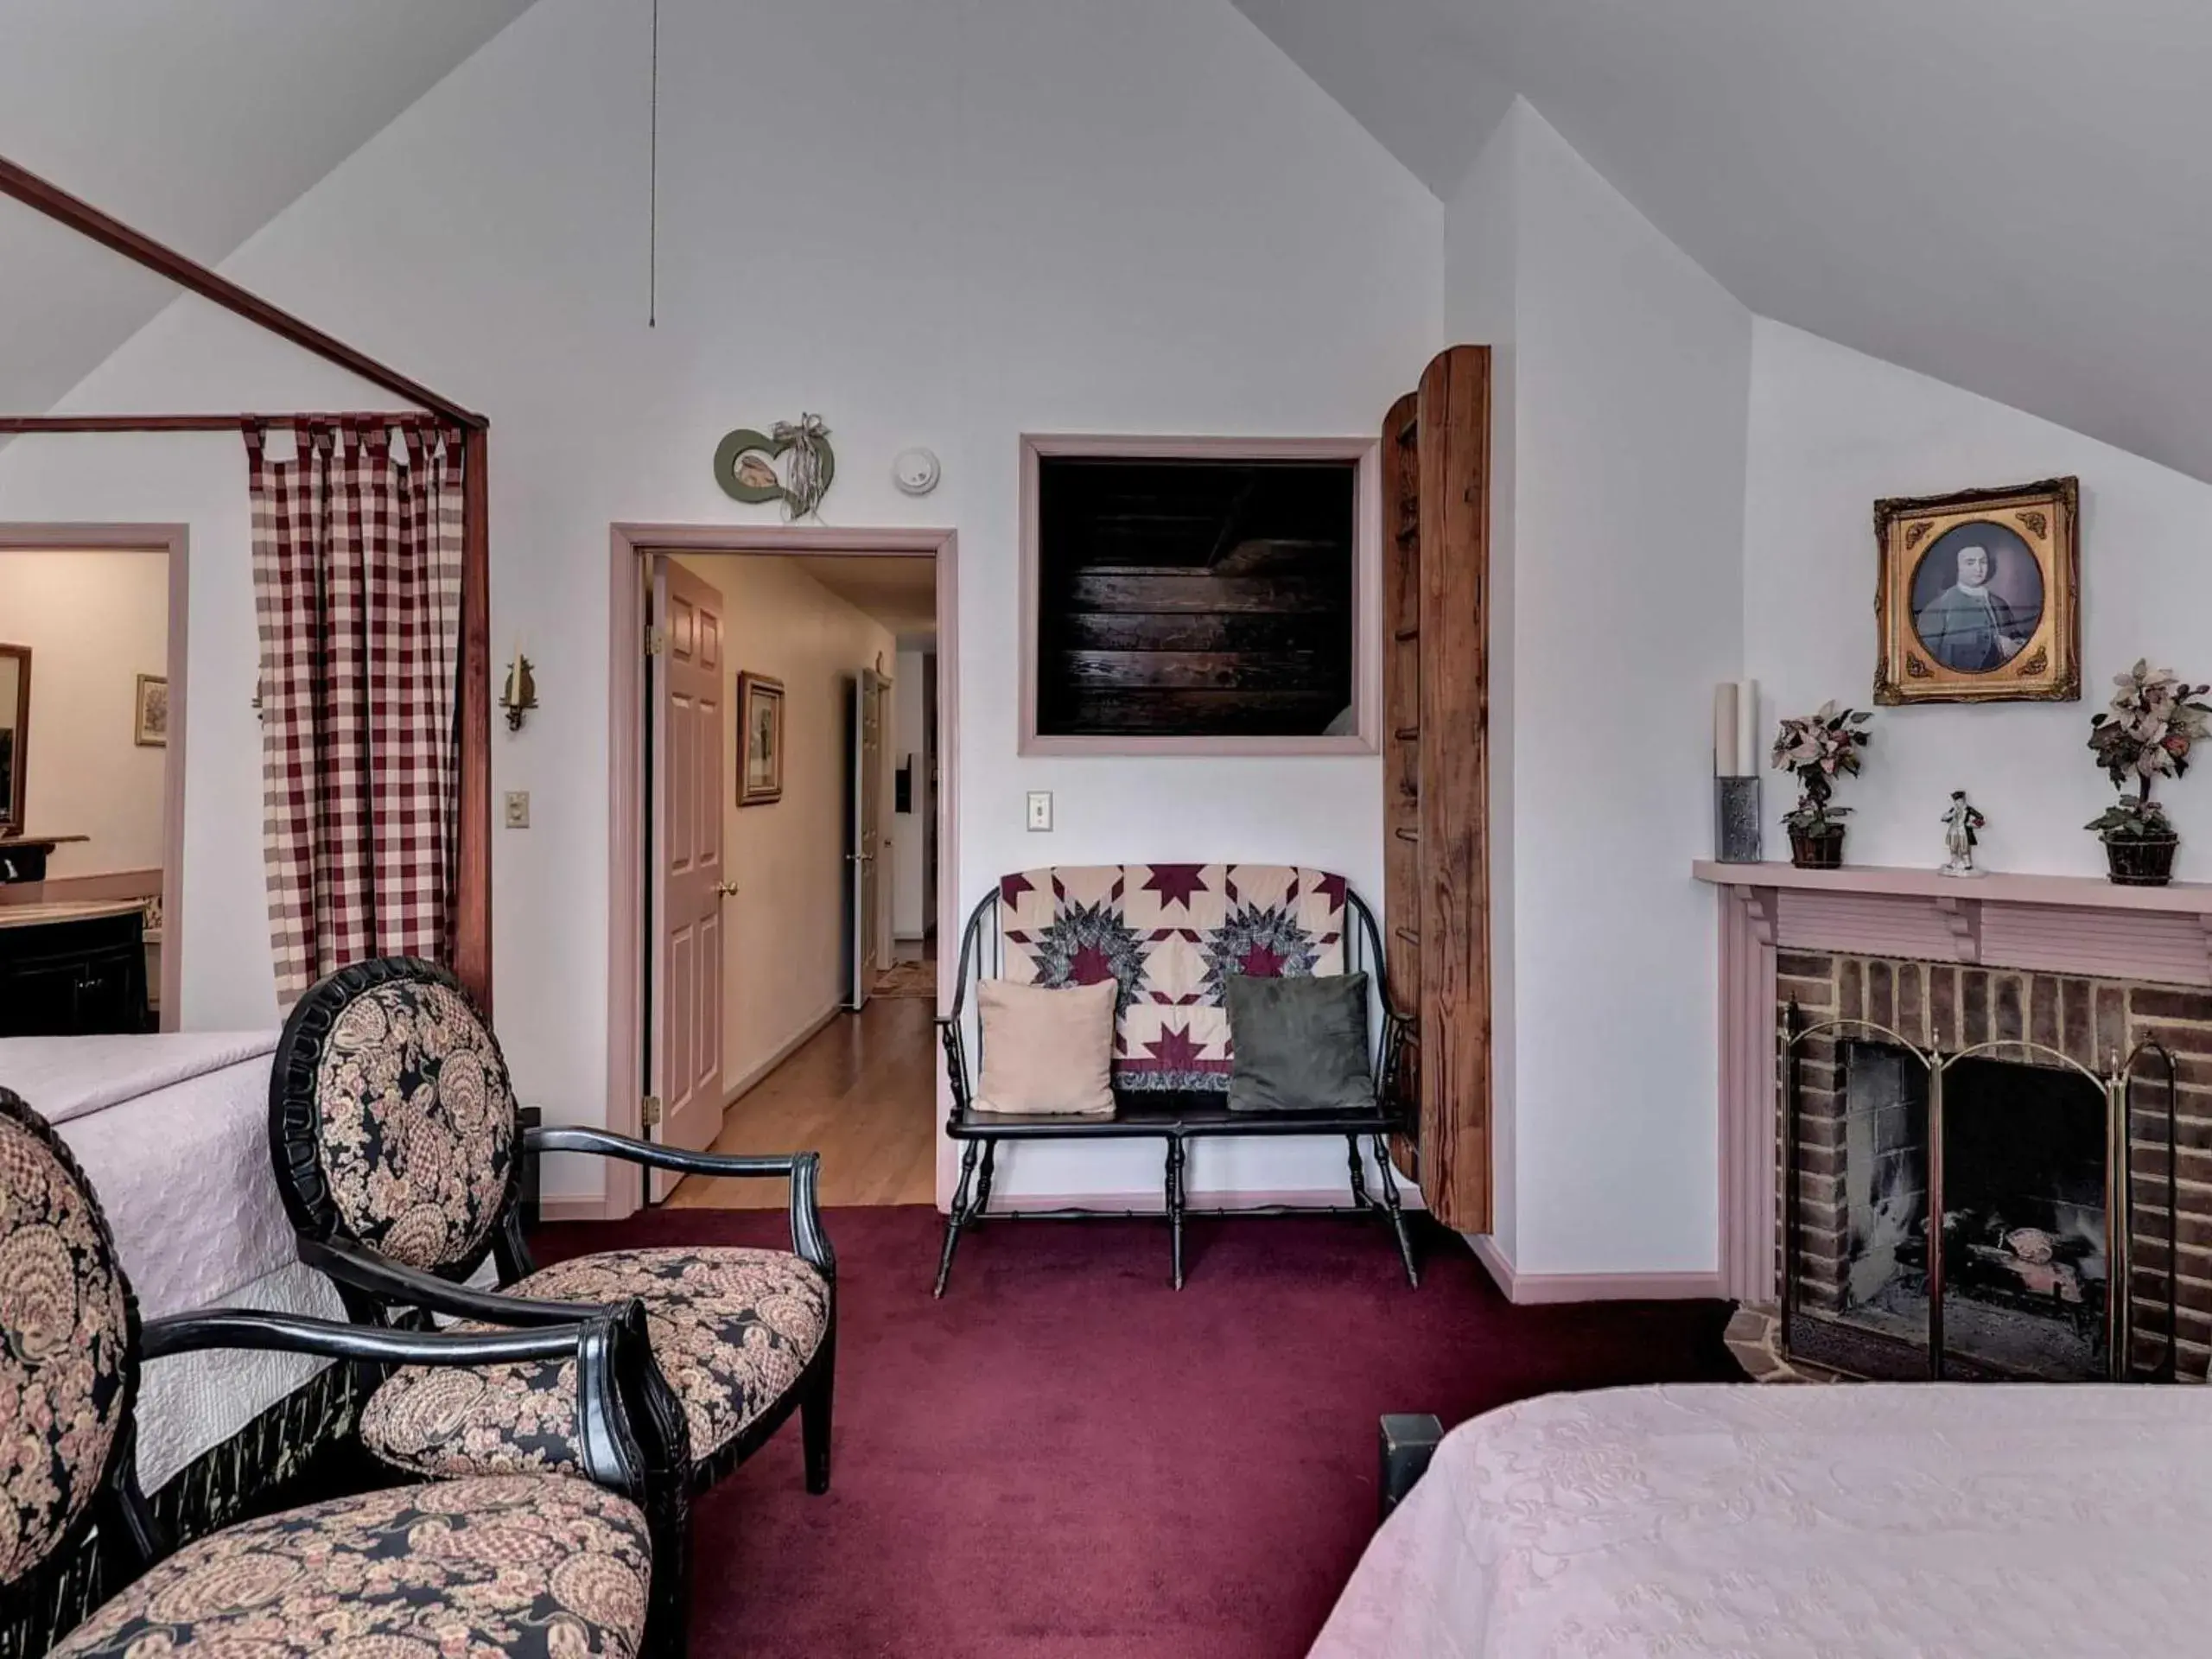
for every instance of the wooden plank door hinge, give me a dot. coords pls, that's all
(649, 1111)
(656, 641)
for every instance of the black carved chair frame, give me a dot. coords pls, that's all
(378, 1291)
(616, 1417)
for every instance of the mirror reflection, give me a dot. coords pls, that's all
(15, 718)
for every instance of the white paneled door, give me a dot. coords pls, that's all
(864, 838)
(691, 884)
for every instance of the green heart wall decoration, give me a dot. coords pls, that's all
(746, 464)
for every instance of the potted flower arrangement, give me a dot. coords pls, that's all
(1819, 749)
(2147, 733)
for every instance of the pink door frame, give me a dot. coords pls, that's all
(175, 542)
(627, 545)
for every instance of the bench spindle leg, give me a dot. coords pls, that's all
(1389, 1184)
(1359, 1199)
(1175, 1204)
(957, 1219)
(983, 1179)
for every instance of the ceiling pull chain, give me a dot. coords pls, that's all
(653, 187)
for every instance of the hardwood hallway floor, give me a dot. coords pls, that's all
(862, 1093)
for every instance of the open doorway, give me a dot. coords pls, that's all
(779, 799)
(92, 779)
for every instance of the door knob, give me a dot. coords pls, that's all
(725, 889)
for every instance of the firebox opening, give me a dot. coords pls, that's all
(2026, 1270)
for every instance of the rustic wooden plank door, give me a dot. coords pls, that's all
(1454, 917)
(1436, 774)
(690, 881)
(1402, 745)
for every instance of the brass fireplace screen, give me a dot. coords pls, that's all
(2150, 1064)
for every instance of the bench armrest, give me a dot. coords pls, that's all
(955, 1041)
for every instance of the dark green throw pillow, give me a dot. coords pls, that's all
(1299, 1045)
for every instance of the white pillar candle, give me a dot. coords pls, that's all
(1724, 730)
(1747, 728)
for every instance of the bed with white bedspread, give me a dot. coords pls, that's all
(172, 1131)
(1862, 1519)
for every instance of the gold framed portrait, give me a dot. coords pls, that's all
(1980, 598)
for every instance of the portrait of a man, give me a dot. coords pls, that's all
(1977, 598)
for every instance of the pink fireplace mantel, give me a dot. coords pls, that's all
(2046, 924)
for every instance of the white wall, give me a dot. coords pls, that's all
(941, 221)
(783, 943)
(1630, 377)
(94, 622)
(1832, 432)
(909, 741)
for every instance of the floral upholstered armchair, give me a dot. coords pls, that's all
(400, 1153)
(543, 1564)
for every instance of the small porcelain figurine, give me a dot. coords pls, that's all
(1959, 822)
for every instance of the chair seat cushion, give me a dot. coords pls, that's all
(533, 1565)
(732, 1330)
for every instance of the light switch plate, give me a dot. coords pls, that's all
(517, 808)
(1040, 809)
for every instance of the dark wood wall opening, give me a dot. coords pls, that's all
(1195, 599)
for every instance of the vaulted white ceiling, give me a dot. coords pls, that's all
(2012, 195)
(197, 121)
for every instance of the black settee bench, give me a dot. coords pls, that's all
(1174, 1117)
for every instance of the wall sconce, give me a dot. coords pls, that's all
(519, 696)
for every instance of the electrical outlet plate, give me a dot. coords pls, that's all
(1040, 809)
(517, 808)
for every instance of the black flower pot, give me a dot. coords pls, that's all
(1818, 849)
(2142, 861)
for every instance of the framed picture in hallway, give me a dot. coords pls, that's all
(1980, 597)
(760, 730)
(151, 729)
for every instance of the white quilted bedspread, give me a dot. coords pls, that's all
(173, 1132)
(1862, 1521)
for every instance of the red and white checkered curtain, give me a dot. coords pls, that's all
(356, 583)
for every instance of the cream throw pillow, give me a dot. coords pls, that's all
(1047, 1052)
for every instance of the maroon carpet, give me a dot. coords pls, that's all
(1066, 1457)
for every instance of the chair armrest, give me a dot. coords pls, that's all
(613, 1362)
(802, 1169)
(291, 1333)
(389, 1282)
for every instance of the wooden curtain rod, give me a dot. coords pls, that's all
(51, 424)
(45, 197)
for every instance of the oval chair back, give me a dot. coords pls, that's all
(392, 1124)
(69, 1350)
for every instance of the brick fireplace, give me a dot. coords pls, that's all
(2049, 969)
(2030, 1193)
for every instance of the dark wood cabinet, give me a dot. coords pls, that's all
(73, 977)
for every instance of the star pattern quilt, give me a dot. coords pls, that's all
(1171, 936)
